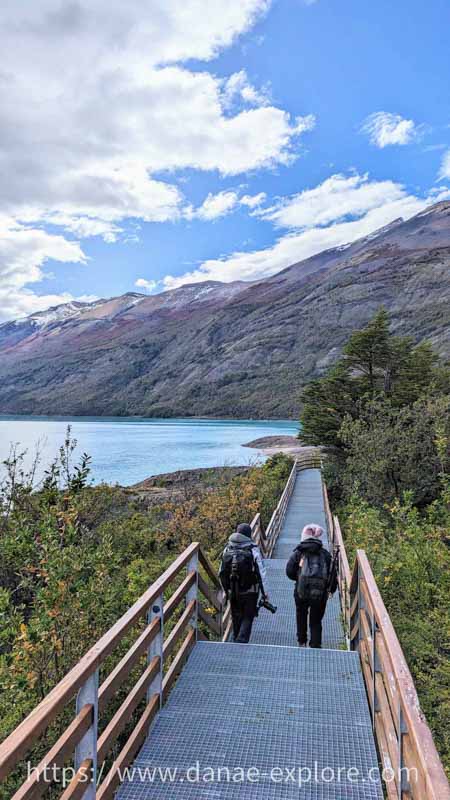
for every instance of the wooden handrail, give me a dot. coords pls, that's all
(401, 728)
(178, 662)
(209, 621)
(277, 518)
(108, 788)
(24, 736)
(125, 711)
(83, 677)
(178, 630)
(209, 594)
(34, 787)
(179, 594)
(209, 569)
(122, 670)
(403, 736)
(78, 785)
(343, 572)
(339, 540)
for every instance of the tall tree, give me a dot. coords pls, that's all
(367, 353)
(376, 365)
(326, 403)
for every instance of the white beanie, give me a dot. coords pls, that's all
(312, 531)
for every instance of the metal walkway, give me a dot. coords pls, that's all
(306, 505)
(266, 720)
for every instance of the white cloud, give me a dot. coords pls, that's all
(149, 286)
(317, 222)
(216, 205)
(95, 100)
(333, 200)
(238, 87)
(253, 201)
(445, 166)
(82, 135)
(386, 129)
(222, 203)
(23, 251)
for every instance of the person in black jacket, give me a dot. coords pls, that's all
(310, 566)
(251, 580)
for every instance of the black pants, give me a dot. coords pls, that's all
(243, 612)
(316, 611)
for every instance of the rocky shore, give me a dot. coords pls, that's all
(173, 487)
(270, 445)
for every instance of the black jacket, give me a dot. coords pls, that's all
(311, 546)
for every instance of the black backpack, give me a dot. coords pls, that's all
(238, 571)
(312, 579)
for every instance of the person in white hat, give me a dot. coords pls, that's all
(310, 566)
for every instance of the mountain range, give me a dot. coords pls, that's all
(229, 349)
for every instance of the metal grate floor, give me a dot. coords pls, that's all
(265, 715)
(267, 720)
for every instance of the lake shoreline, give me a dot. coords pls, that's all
(271, 445)
(126, 451)
(6, 415)
(176, 485)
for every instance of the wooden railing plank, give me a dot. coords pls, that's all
(78, 785)
(209, 594)
(367, 672)
(418, 740)
(388, 678)
(387, 720)
(126, 710)
(276, 520)
(109, 786)
(209, 569)
(417, 780)
(386, 761)
(208, 620)
(354, 605)
(227, 631)
(34, 787)
(178, 662)
(124, 667)
(179, 595)
(339, 539)
(178, 630)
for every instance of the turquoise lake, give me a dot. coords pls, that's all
(127, 450)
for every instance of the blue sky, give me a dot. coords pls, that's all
(301, 124)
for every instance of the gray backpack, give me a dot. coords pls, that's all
(312, 579)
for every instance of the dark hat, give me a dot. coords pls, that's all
(245, 529)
